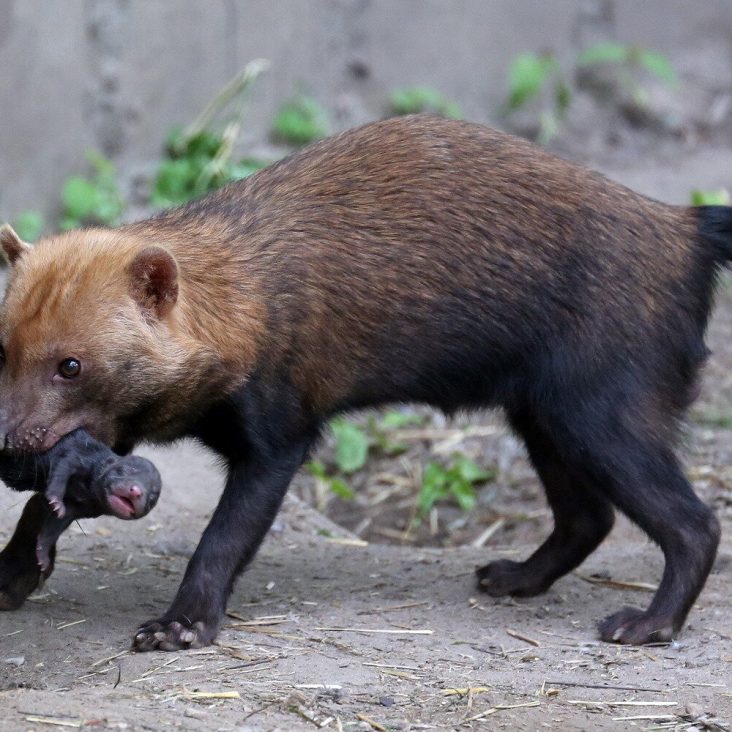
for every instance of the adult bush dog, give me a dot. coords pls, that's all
(412, 259)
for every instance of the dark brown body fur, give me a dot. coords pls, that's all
(409, 260)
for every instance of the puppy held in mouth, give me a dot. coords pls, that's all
(77, 478)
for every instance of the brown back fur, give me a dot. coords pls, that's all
(431, 230)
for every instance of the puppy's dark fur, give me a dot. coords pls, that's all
(78, 478)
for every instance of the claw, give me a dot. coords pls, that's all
(173, 635)
(57, 506)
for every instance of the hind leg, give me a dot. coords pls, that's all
(582, 519)
(622, 444)
(647, 484)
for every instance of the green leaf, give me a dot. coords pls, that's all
(79, 197)
(397, 420)
(604, 53)
(103, 167)
(451, 110)
(456, 481)
(414, 100)
(336, 485)
(29, 225)
(244, 168)
(94, 199)
(341, 489)
(618, 53)
(433, 488)
(176, 181)
(193, 169)
(300, 121)
(658, 65)
(470, 471)
(352, 446)
(464, 493)
(720, 197)
(316, 469)
(527, 76)
(205, 145)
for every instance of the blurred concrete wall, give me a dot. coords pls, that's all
(116, 74)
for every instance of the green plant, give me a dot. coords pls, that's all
(300, 121)
(199, 158)
(382, 431)
(629, 64)
(92, 200)
(396, 420)
(336, 485)
(29, 225)
(196, 165)
(719, 197)
(352, 445)
(714, 418)
(456, 481)
(538, 77)
(416, 99)
(630, 57)
(351, 451)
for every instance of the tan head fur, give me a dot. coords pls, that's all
(102, 299)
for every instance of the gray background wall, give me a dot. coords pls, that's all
(116, 74)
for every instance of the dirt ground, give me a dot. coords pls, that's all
(327, 630)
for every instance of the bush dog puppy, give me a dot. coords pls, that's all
(77, 478)
(412, 259)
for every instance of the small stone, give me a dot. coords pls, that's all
(15, 661)
(386, 701)
(694, 710)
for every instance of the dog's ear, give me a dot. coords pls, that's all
(12, 245)
(154, 278)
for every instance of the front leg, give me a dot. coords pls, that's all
(55, 492)
(252, 496)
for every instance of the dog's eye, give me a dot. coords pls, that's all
(2, 354)
(69, 368)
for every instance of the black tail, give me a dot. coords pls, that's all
(715, 226)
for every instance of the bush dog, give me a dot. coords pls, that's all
(412, 259)
(77, 478)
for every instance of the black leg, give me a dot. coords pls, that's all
(647, 484)
(250, 501)
(621, 445)
(20, 573)
(582, 519)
